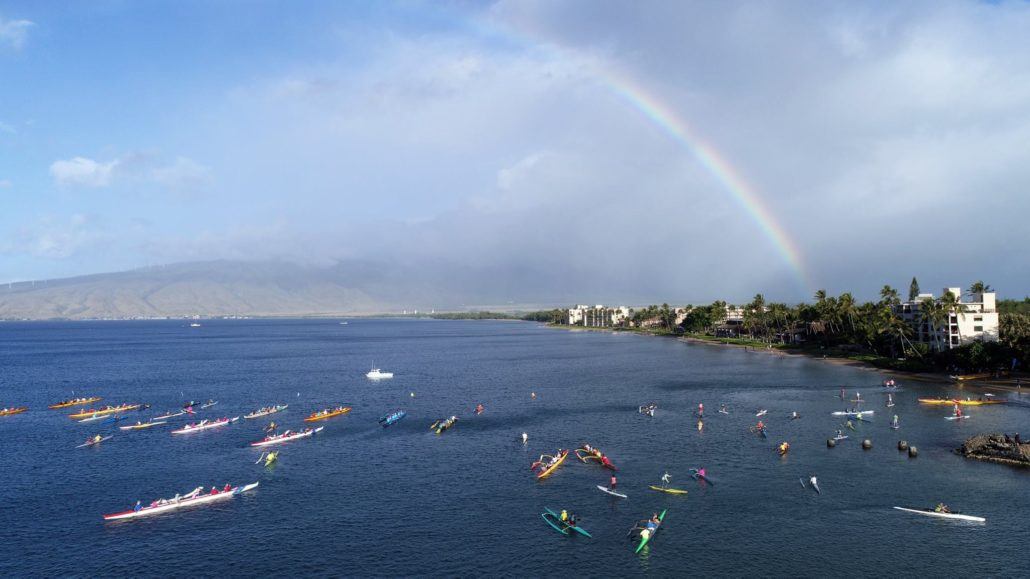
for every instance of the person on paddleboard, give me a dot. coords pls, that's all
(666, 478)
(700, 409)
(612, 483)
(525, 438)
(794, 415)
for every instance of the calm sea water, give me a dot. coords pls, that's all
(362, 500)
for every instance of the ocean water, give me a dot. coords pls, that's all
(361, 500)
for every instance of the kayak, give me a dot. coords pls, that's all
(933, 513)
(327, 414)
(671, 491)
(94, 412)
(646, 535)
(150, 424)
(13, 411)
(698, 476)
(266, 411)
(550, 470)
(952, 402)
(204, 425)
(170, 415)
(609, 491)
(193, 498)
(964, 416)
(75, 402)
(554, 519)
(585, 455)
(392, 418)
(93, 442)
(761, 413)
(286, 436)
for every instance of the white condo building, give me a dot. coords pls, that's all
(975, 320)
(597, 316)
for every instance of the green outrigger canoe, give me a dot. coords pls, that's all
(554, 519)
(644, 540)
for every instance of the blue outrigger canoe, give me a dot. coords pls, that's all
(392, 418)
(554, 519)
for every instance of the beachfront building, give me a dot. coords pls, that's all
(731, 326)
(598, 316)
(972, 321)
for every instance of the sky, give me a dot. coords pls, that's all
(589, 151)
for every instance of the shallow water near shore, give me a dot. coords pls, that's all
(358, 499)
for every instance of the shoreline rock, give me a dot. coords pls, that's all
(1000, 448)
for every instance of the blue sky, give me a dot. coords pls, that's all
(889, 140)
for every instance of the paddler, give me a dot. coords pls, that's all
(700, 409)
(612, 483)
(525, 438)
(564, 516)
(849, 424)
(701, 472)
(666, 479)
(941, 508)
(794, 415)
(97, 438)
(760, 426)
(784, 447)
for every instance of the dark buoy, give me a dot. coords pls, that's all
(867, 444)
(913, 452)
(830, 443)
(902, 445)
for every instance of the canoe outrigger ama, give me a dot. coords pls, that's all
(587, 452)
(440, 426)
(266, 411)
(547, 464)
(563, 527)
(75, 402)
(327, 413)
(647, 532)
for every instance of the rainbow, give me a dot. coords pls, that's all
(662, 116)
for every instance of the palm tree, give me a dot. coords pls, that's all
(979, 287)
(933, 314)
(889, 296)
(846, 305)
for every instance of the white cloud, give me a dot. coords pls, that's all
(54, 237)
(80, 171)
(14, 33)
(183, 175)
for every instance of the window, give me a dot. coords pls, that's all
(978, 328)
(978, 318)
(954, 340)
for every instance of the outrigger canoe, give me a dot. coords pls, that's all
(204, 425)
(390, 419)
(93, 442)
(953, 401)
(554, 465)
(170, 415)
(554, 519)
(94, 412)
(194, 498)
(647, 534)
(266, 411)
(594, 454)
(857, 413)
(933, 513)
(286, 436)
(142, 425)
(75, 402)
(327, 414)
(13, 411)
(669, 490)
(441, 426)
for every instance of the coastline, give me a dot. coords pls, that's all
(1000, 384)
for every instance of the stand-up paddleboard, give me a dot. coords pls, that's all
(609, 491)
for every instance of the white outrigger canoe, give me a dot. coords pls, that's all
(197, 497)
(267, 411)
(858, 413)
(286, 437)
(143, 425)
(933, 513)
(204, 425)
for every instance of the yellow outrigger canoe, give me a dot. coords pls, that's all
(550, 470)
